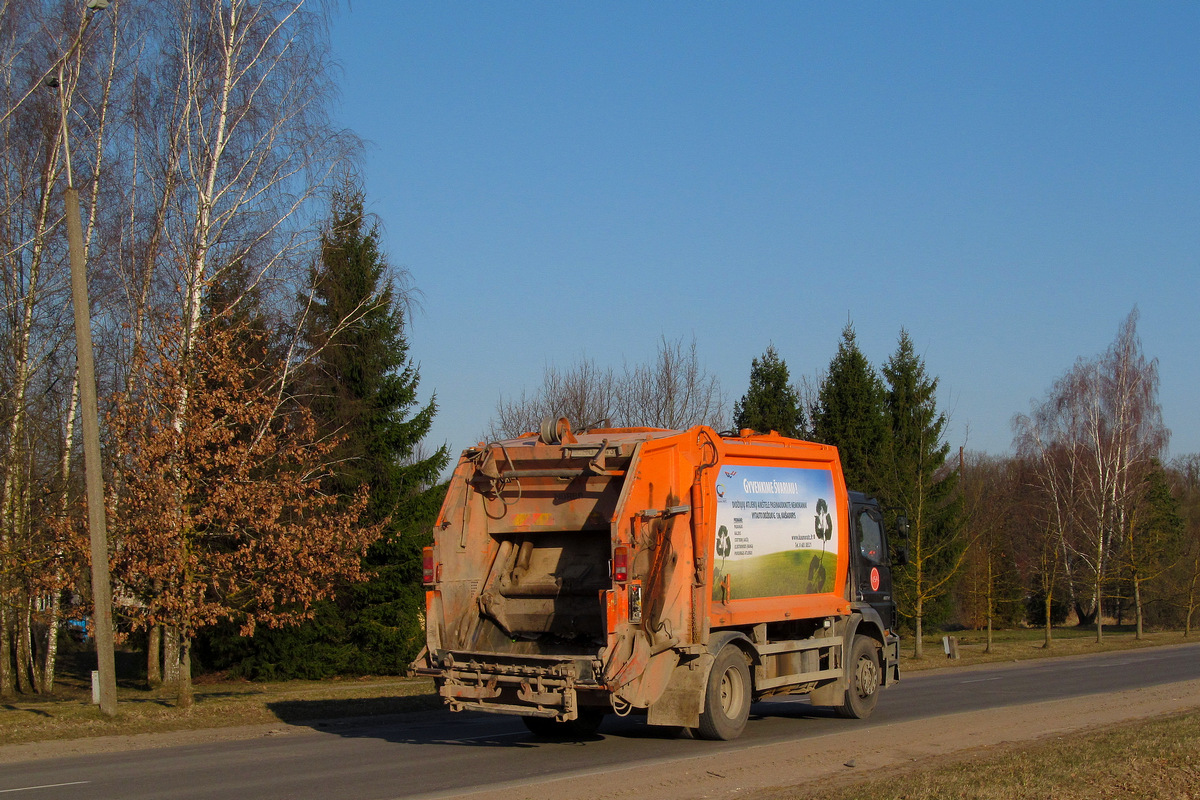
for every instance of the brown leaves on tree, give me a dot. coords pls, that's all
(220, 513)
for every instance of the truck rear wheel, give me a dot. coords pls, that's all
(727, 696)
(862, 676)
(582, 727)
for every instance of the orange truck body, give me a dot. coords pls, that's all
(655, 571)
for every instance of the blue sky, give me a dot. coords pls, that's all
(1005, 181)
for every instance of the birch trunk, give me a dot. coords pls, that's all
(8, 685)
(1099, 593)
(25, 290)
(210, 153)
(50, 647)
(54, 620)
(25, 683)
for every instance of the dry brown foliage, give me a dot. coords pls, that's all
(222, 517)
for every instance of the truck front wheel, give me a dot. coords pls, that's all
(862, 678)
(727, 696)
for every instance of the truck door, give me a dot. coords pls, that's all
(874, 575)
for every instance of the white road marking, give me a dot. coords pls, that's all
(46, 786)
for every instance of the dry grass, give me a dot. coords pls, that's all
(1026, 643)
(1155, 759)
(217, 705)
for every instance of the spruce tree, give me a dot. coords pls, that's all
(362, 385)
(849, 414)
(918, 485)
(770, 403)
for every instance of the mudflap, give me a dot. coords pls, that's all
(829, 694)
(683, 699)
(891, 660)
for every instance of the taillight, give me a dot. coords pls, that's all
(620, 564)
(427, 566)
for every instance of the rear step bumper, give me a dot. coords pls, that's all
(524, 685)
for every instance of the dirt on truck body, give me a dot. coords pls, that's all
(680, 574)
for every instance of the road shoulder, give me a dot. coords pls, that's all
(844, 756)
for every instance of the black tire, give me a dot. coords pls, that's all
(863, 675)
(727, 696)
(582, 727)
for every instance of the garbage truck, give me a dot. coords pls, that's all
(678, 574)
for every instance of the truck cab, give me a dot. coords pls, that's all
(871, 566)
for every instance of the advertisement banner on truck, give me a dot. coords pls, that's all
(776, 532)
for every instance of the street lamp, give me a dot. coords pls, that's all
(102, 617)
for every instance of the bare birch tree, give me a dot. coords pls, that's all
(58, 83)
(675, 391)
(1094, 439)
(237, 153)
(200, 137)
(585, 393)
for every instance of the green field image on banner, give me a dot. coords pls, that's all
(776, 575)
(776, 532)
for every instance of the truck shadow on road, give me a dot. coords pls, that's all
(438, 726)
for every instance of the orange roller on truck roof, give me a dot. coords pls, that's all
(679, 574)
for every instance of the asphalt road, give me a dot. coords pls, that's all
(438, 754)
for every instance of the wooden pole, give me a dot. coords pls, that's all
(97, 521)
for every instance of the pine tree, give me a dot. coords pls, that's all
(850, 414)
(362, 385)
(770, 403)
(918, 485)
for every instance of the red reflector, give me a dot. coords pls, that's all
(621, 564)
(427, 570)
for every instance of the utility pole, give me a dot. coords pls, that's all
(102, 619)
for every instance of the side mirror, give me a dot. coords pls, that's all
(901, 557)
(902, 525)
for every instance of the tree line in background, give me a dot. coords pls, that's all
(1084, 522)
(268, 490)
(263, 465)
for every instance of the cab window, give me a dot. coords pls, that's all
(870, 537)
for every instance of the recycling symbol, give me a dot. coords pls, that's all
(824, 521)
(724, 543)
